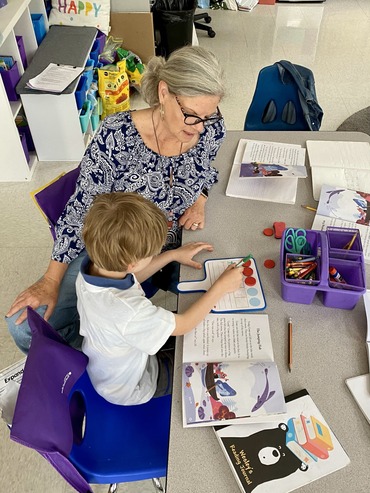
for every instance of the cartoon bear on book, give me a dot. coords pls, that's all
(262, 457)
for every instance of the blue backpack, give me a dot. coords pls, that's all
(284, 99)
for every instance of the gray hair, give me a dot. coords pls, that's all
(189, 71)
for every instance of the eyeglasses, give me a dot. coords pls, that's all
(194, 120)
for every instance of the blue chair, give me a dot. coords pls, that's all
(284, 99)
(120, 443)
(87, 439)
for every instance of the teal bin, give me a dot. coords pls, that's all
(85, 115)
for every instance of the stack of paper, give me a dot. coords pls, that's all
(55, 78)
(246, 5)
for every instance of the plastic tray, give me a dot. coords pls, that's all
(328, 247)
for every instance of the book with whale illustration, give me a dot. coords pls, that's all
(229, 372)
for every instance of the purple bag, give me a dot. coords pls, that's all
(53, 198)
(42, 418)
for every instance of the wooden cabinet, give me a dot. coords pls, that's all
(15, 20)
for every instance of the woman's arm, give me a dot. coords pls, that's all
(43, 292)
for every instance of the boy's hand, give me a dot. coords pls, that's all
(184, 254)
(231, 279)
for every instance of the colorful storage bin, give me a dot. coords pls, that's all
(39, 27)
(11, 78)
(329, 249)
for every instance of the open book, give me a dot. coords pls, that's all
(345, 208)
(282, 457)
(268, 153)
(229, 372)
(341, 164)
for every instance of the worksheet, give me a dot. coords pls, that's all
(247, 298)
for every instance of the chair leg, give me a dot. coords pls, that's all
(158, 485)
(113, 488)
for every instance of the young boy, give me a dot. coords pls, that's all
(123, 331)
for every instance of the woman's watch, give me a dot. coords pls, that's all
(204, 192)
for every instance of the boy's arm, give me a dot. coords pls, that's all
(229, 281)
(184, 255)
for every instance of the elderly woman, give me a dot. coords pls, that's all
(163, 152)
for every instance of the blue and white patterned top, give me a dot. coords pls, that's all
(118, 160)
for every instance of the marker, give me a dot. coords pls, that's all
(290, 345)
(245, 259)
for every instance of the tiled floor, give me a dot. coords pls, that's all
(331, 38)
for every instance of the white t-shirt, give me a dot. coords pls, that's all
(122, 333)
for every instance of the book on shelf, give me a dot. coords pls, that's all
(229, 372)
(345, 208)
(279, 458)
(337, 163)
(267, 154)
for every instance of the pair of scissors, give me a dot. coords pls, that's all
(295, 240)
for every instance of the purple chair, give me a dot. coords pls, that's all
(87, 439)
(52, 198)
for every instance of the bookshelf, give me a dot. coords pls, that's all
(15, 20)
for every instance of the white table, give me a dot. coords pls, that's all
(329, 344)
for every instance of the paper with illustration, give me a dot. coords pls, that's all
(344, 208)
(228, 372)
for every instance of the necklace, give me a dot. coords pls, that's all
(170, 213)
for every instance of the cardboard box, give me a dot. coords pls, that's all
(136, 30)
(130, 6)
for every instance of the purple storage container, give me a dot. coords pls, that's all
(11, 78)
(3, 3)
(328, 247)
(101, 38)
(22, 136)
(21, 50)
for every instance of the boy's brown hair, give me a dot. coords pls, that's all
(121, 228)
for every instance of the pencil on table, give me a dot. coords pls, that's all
(309, 208)
(290, 344)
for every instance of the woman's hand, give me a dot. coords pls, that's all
(194, 217)
(184, 254)
(42, 292)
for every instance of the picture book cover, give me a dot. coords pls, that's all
(261, 170)
(345, 208)
(229, 373)
(281, 457)
(248, 297)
